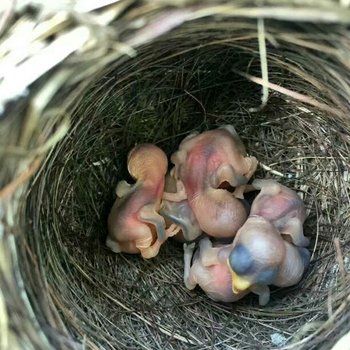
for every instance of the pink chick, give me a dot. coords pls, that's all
(209, 270)
(282, 207)
(134, 223)
(204, 163)
(261, 257)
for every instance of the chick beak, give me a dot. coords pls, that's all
(239, 284)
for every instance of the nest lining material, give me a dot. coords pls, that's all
(61, 287)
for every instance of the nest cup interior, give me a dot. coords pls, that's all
(187, 80)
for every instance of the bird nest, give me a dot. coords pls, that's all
(82, 82)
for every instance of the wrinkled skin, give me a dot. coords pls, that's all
(134, 224)
(261, 257)
(179, 214)
(204, 163)
(282, 207)
(209, 270)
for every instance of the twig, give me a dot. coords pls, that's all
(20, 179)
(340, 260)
(293, 94)
(263, 65)
(270, 170)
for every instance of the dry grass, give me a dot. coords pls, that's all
(196, 77)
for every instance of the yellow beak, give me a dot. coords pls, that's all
(239, 284)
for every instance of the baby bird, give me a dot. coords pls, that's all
(134, 224)
(260, 257)
(209, 270)
(204, 163)
(283, 208)
(179, 214)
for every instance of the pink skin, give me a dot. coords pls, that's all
(210, 271)
(264, 241)
(268, 252)
(134, 224)
(205, 162)
(282, 207)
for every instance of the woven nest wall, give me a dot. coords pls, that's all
(82, 82)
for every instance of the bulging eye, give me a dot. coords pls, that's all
(305, 256)
(241, 260)
(267, 276)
